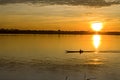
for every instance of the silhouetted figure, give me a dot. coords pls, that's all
(81, 51)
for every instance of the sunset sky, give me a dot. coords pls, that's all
(59, 14)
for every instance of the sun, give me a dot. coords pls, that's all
(97, 26)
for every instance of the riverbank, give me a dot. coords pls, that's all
(16, 31)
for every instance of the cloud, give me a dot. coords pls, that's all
(94, 3)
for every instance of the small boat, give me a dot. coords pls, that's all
(80, 51)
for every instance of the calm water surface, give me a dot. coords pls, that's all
(43, 57)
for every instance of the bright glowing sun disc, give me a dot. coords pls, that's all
(97, 26)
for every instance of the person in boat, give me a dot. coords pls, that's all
(81, 51)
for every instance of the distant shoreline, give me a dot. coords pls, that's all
(16, 31)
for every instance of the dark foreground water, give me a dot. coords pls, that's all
(43, 57)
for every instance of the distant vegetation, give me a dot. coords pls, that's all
(17, 31)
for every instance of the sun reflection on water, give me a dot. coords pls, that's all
(96, 41)
(95, 61)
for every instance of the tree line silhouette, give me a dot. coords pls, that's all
(18, 31)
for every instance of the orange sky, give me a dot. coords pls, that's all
(53, 17)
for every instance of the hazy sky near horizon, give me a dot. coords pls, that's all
(59, 14)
